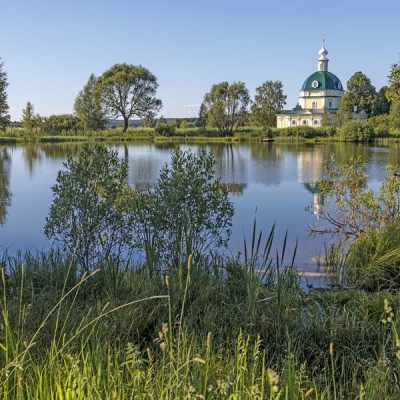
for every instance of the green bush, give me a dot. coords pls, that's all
(382, 125)
(165, 130)
(305, 132)
(373, 260)
(356, 131)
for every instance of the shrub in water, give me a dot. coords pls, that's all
(88, 216)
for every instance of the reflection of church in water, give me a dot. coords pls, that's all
(310, 166)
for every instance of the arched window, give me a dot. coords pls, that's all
(315, 122)
(314, 104)
(293, 122)
(304, 122)
(330, 104)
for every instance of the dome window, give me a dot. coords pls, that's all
(314, 84)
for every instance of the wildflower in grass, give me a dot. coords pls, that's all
(388, 312)
(167, 281)
(198, 360)
(398, 347)
(223, 387)
(255, 392)
(162, 337)
(309, 392)
(209, 340)
(273, 380)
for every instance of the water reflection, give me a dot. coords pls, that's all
(310, 167)
(277, 179)
(5, 193)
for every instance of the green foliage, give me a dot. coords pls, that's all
(306, 132)
(268, 101)
(61, 124)
(4, 116)
(118, 334)
(382, 125)
(356, 131)
(87, 106)
(165, 130)
(351, 208)
(360, 93)
(88, 216)
(149, 120)
(393, 92)
(128, 91)
(373, 260)
(381, 103)
(28, 117)
(225, 107)
(187, 211)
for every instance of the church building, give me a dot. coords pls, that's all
(319, 98)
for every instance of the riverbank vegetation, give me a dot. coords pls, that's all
(226, 113)
(141, 298)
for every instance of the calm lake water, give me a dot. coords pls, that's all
(274, 182)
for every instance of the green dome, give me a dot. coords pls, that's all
(322, 80)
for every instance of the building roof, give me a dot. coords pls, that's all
(322, 80)
(295, 110)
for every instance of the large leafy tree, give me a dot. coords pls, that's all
(225, 106)
(268, 101)
(360, 93)
(128, 91)
(4, 116)
(87, 106)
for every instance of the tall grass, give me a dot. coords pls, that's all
(238, 328)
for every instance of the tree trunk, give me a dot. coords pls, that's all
(126, 124)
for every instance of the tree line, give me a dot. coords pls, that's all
(129, 92)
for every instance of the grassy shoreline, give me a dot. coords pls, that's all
(222, 333)
(191, 135)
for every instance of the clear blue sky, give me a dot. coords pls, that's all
(50, 47)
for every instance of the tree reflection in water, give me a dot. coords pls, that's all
(5, 194)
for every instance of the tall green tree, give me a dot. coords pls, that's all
(88, 108)
(4, 116)
(128, 91)
(225, 106)
(268, 101)
(381, 103)
(28, 116)
(393, 94)
(360, 93)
